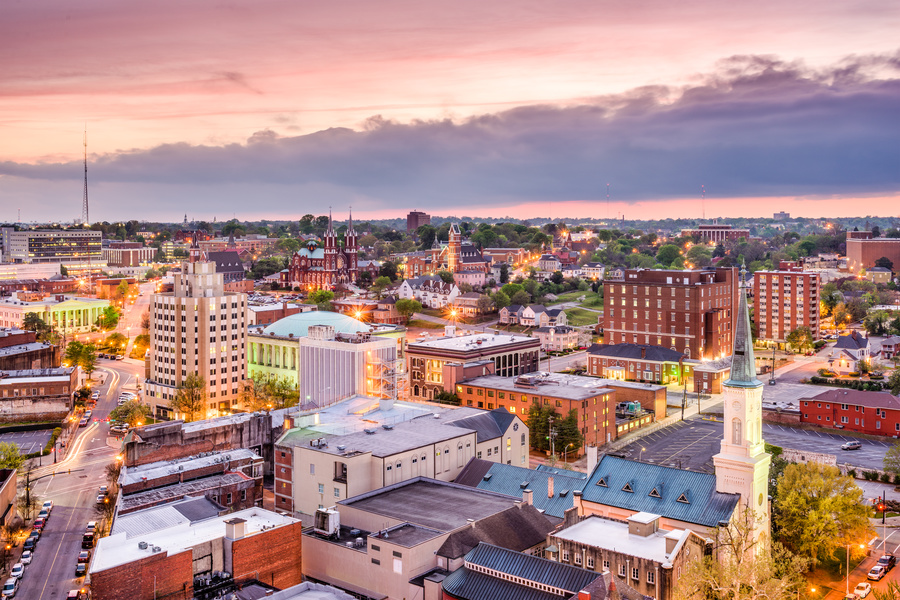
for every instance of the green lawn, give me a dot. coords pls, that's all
(424, 324)
(589, 298)
(579, 317)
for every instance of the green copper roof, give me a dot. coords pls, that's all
(743, 363)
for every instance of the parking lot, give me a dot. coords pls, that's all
(692, 443)
(28, 441)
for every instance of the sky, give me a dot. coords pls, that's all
(270, 109)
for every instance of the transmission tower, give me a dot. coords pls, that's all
(84, 205)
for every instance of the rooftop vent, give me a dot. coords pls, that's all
(488, 477)
(341, 448)
(369, 431)
(387, 426)
(142, 545)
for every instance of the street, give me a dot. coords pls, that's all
(73, 490)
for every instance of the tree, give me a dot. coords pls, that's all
(893, 382)
(322, 299)
(818, 510)
(742, 568)
(283, 393)
(389, 270)
(446, 276)
(557, 277)
(109, 318)
(485, 304)
(122, 290)
(132, 412)
(504, 273)
(521, 298)
(255, 392)
(800, 338)
(510, 289)
(287, 245)
(407, 307)
(33, 322)
(892, 459)
(667, 253)
(190, 397)
(885, 262)
(445, 397)
(426, 235)
(841, 315)
(539, 426)
(9, 456)
(380, 284)
(568, 433)
(877, 322)
(500, 299)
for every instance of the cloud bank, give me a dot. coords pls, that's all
(757, 126)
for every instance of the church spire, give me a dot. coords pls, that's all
(350, 225)
(743, 362)
(330, 230)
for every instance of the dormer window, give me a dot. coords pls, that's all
(602, 482)
(654, 493)
(683, 498)
(627, 488)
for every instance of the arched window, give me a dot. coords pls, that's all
(447, 458)
(736, 432)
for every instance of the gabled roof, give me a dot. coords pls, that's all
(517, 528)
(487, 425)
(226, 261)
(633, 351)
(853, 341)
(512, 481)
(537, 308)
(471, 584)
(891, 341)
(555, 329)
(554, 312)
(513, 308)
(687, 496)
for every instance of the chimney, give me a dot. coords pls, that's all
(234, 528)
(643, 352)
(593, 457)
(550, 486)
(576, 500)
(528, 496)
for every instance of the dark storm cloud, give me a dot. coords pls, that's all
(758, 126)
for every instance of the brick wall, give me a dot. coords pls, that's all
(284, 478)
(158, 576)
(272, 557)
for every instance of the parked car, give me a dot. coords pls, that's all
(38, 523)
(876, 573)
(862, 589)
(44, 514)
(80, 570)
(101, 498)
(10, 587)
(48, 506)
(17, 571)
(87, 540)
(26, 557)
(854, 445)
(887, 561)
(30, 543)
(84, 556)
(83, 423)
(95, 396)
(36, 534)
(91, 526)
(88, 413)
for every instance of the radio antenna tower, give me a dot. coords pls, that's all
(702, 200)
(607, 201)
(84, 205)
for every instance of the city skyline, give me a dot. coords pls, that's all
(272, 111)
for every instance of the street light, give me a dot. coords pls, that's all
(861, 547)
(565, 460)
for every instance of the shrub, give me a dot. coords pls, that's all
(853, 374)
(897, 478)
(851, 473)
(870, 475)
(885, 477)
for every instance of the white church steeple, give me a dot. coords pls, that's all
(742, 465)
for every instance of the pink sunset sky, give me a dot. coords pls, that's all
(270, 109)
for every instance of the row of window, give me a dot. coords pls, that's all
(635, 571)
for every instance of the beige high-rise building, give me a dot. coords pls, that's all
(199, 328)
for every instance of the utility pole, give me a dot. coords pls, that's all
(552, 435)
(684, 399)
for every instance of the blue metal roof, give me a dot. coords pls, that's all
(512, 481)
(464, 584)
(700, 502)
(299, 323)
(532, 568)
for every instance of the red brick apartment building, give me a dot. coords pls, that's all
(687, 311)
(785, 300)
(874, 413)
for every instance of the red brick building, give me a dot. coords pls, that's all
(182, 542)
(785, 300)
(635, 362)
(688, 311)
(874, 413)
(127, 254)
(863, 250)
(415, 219)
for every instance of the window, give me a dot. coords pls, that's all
(312, 467)
(621, 570)
(228, 501)
(606, 565)
(590, 562)
(337, 492)
(635, 573)
(577, 559)
(398, 565)
(321, 488)
(651, 577)
(375, 561)
(565, 556)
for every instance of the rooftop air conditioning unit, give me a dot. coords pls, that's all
(142, 545)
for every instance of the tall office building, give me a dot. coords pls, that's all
(688, 311)
(52, 245)
(198, 328)
(416, 219)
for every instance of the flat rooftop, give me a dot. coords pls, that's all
(22, 348)
(430, 503)
(613, 535)
(477, 341)
(545, 386)
(155, 470)
(353, 415)
(121, 547)
(401, 437)
(177, 491)
(31, 375)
